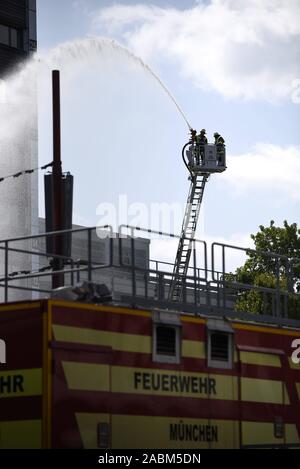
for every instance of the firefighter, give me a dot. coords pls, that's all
(193, 135)
(220, 143)
(201, 141)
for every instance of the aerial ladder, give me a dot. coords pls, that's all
(201, 159)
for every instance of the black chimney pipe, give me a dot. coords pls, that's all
(58, 279)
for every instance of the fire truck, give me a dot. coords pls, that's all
(83, 375)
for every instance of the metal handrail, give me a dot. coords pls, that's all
(203, 288)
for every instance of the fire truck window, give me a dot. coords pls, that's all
(219, 346)
(166, 341)
(219, 349)
(166, 344)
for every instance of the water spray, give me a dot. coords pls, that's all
(84, 48)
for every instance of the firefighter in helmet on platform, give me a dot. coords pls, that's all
(193, 135)
(201, 141)
(220, 144)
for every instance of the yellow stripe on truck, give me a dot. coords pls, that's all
(260, 359)
(193, 349)
(86, 376)
(263, 390)
(173, 383)
(19, 383)
(166, 432)
(130, 431)
(21, 434)
(121, 341)
(259, 433)
(94, 377)
(291, 434)
(88, 427)
(116, 340)
(157, 382)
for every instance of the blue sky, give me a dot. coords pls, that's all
(232, 66)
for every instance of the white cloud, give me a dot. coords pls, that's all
(246, 49)
(268, 167)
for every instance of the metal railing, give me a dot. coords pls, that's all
(207, 288)
(72, 266)
(278, 296)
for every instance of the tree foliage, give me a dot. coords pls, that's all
(269, 271)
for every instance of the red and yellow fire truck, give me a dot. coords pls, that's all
(92, 376)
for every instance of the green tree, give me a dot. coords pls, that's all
(263, 269)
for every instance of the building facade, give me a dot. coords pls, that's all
(18, 124)
(18, 32)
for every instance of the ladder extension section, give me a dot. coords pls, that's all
(187, 235)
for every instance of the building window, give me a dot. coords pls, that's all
(14, 38)
(166, 339)
(219, 344)
(4, 35)
(11, 37)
